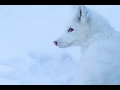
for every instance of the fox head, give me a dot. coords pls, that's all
(77, 29)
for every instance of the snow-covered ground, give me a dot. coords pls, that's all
(27, 53)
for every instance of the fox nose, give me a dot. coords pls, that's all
(55, 43)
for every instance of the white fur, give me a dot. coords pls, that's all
(100, 46)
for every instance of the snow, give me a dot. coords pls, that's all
(27, 53)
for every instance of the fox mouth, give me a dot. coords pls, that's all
(65, 46)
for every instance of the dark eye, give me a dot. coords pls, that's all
(70, 29)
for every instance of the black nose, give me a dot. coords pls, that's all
(55, 43)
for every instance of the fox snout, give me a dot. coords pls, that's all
(55, 42)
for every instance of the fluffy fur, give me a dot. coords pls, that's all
(100, 46)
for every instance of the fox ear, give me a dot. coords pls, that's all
(82, 13)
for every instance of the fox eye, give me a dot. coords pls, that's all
(70, 29)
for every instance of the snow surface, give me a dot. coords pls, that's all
(27, 53)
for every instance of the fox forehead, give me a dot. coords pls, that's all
(72, 23)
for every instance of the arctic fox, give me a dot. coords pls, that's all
(100, 46)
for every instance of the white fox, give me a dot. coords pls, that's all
(100, 46)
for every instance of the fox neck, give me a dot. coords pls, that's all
(98, 27)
